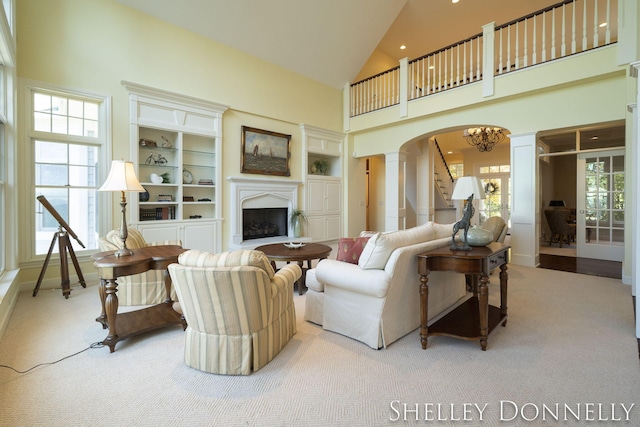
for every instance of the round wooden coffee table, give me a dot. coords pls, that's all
(310, 251)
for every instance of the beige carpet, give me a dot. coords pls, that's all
(569, 341)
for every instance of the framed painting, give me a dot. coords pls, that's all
(265, 152)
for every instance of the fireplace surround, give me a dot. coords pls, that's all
(256, 194)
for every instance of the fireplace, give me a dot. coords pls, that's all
(264, 222)
(265, 203)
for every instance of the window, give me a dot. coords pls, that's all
(67, 133)
(456, 170)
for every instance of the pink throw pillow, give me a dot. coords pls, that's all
(350, 248)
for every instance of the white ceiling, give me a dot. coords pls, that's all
(330, 41)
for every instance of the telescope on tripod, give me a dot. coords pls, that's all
(64, 246)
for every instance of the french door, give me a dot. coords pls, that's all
(497, 198)
(600, 205)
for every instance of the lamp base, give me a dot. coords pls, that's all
(123, 252)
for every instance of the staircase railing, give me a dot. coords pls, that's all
(442, 176)
(560, 30)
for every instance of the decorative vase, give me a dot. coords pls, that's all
(144, 196)
(296, 227)
(477, 236)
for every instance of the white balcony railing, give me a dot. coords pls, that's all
(558, 31)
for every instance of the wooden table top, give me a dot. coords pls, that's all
(143, 259)
(277, 251)
(476, 252)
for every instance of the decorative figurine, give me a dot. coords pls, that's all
(463, 224)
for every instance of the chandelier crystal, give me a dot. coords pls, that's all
(484, 138)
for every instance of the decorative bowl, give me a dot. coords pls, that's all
(477, 236)
(293, 245)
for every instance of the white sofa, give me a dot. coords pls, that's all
(377, 300)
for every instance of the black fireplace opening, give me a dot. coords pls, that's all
(264, 222)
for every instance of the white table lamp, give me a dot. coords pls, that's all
(122, 177)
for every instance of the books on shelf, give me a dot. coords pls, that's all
(159, 213)
(205, 182)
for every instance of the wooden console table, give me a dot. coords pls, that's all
(475, 318)
(135, 322)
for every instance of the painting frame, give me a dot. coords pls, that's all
(265, 152)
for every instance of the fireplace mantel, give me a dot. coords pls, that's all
(259, 193)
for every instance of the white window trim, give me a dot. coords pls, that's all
(28, 204)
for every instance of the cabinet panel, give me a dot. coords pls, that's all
(200, 236)
(315, 228)
(315, 197)
(333, 229)
(333, 197)
(158, 233)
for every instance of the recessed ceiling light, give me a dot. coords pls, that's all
(455, 1)
(594, 137)
(604, 24)
(403, 47)
(450, 152)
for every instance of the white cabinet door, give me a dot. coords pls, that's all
(200, 236)
(316, 197)
(333, 227)
(332, 197)
(316, 228)
(158, 233)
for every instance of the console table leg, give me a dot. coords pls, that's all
(167, 286)
(102, 292)
(424, 308)
(504, 277)
(111, 306)
(484, 311)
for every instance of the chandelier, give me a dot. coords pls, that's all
(484, 138)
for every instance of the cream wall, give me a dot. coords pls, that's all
(94, 45)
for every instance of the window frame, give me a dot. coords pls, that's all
(102, 142)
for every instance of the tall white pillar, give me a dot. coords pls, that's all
(395, 200)
(525, 212)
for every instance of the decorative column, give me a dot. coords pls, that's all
(525, 212)
(395, 203)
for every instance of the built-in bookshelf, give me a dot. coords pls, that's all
(175, 145)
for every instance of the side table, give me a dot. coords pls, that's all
(475, 318)
(310, 251)
(135, 322)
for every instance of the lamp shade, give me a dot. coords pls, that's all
(466, 186)
(122, 177)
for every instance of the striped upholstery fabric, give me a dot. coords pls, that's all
(239, 313)
(138, 289)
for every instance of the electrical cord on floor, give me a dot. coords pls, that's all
(94, 345)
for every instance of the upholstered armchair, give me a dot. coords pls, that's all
(561, 226)
(497, 226)
(240, 314)
(138, 289)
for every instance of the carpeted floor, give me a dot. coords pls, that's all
(569, 343)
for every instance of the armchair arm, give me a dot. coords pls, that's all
(351, 277)
(284, 279)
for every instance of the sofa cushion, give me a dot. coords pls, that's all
(379, 247)
(196, 258)
(350, 248)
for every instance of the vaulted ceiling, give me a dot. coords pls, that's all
(331, 41)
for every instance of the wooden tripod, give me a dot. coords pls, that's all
(64, 245)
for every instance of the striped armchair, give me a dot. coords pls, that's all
(138, 289)
(240, 314)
